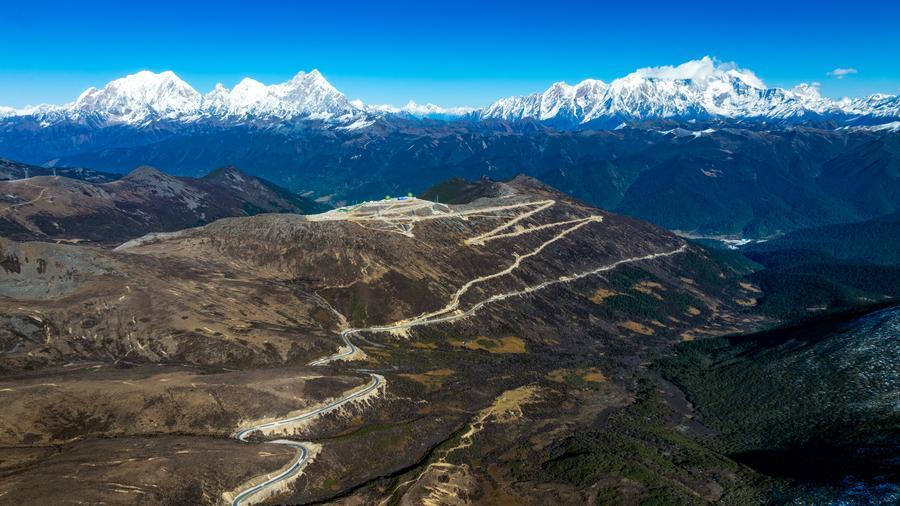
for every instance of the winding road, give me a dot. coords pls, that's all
(448, 313)
(304, 451)
(32, 201)
(350, 349)
(295, 468)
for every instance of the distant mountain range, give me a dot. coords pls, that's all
(146, 99)
(696, 90)
(704, 148)
(699, 89)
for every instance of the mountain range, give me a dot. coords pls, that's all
(697, 89)
(705, 148)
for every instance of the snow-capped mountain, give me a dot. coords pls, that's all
(560, 103)
(893, 126)
(147, 97)
(415, 110)
(138, 98)
(306, 95)
(697, 89)
(878, 105)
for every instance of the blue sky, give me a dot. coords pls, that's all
(452, 53)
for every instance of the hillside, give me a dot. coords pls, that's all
(146, 200)
(812, 405)
(406, 330)
(874, 241)
(828, 268)
(867, 176)
(11, 170)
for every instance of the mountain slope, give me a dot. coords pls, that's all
(146, 200)
(500, 326)
(868, 176)
(874, 241)
(827, 268)
(360, 257)
(810, 404)
(10, 170)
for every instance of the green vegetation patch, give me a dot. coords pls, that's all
(813, 405)
(780, 388)
(796, 284)
(656, 463)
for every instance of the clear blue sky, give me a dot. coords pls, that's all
(455, 53)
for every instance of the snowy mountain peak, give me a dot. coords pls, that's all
(561, 102)
(808, 90)
(589, 86)
(311, 78)
(306, 95)
(696, 89)
(416, 110)
(145, 96)
(139, 97)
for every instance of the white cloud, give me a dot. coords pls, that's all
(841, 72)
(701, 70)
